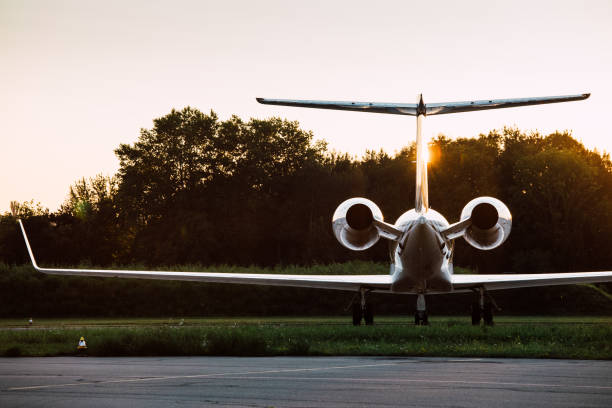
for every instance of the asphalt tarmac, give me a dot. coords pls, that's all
(303, 382)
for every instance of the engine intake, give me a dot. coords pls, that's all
(353, 223)
(484, 216)
(491, 222)
(359, 217)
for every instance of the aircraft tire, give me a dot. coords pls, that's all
(475, 314)
(357, 314)
(368, 315)
(420, 319)
(487, 314)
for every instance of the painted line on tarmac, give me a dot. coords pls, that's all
(465, 360)
(257, 375)
(179, 377)
(252, 376)
(428, 381)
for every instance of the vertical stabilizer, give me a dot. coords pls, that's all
(422, 194)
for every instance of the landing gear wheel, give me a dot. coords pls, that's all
(482, 308)
(362, 309)
(487, 314)
(368, 314)
(476, 314)
(357, 314)
(421, 319)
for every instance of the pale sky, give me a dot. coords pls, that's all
(77, 78)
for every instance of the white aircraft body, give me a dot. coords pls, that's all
(420, 241)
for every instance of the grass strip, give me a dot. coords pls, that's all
(576, 341)
(93, 322)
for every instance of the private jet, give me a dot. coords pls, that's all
(421, 241)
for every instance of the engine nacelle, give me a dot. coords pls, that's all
(491, 222)
(353, 223)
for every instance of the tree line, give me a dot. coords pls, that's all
(195, 189)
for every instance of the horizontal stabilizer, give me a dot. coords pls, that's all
(467, 106)
(430, 108)
(374, 107)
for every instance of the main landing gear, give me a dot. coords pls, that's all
(362, 310)
(482, 308)
(420, 317)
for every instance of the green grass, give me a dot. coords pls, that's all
(532, 337)
(93, 322)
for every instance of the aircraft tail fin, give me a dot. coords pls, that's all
(421, 203)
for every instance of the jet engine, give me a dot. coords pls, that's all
(353, 223)
(491, 222)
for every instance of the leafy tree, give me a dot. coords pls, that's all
(177, 154)
(194, 179)
(556, 191)
(195, 189)
(26, 209)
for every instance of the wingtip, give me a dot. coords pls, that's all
(586, 95)
(260, 100)
(29, 248)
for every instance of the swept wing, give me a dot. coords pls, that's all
(510, 281)
(340, 282)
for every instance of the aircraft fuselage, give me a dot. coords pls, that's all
(421, 261)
